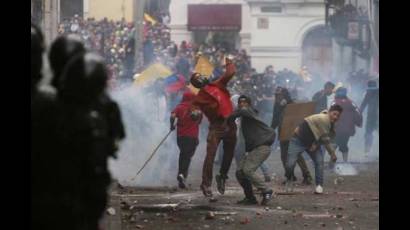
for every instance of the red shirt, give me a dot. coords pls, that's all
(214, 99)
(186, 127)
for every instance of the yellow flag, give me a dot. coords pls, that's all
(204, 67)
(148, 17)
(153, 72)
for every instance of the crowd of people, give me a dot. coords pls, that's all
(115, 41)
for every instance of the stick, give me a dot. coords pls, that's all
(152, 154)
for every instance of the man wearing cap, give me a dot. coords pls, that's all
(258, 140)
(214, 101)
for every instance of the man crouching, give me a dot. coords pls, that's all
(258, 140)
(315, 131)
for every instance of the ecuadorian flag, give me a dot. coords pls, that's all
(174, 83)
(152, 73)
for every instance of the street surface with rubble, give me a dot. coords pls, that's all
(348, 202)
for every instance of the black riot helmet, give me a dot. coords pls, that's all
(62, 50)
(37, 49)
(84, 79)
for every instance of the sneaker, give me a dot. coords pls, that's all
(248, 201)
(319, 190)
(220, 183)
(266, 196)
(293, 179)
(181, 181)
(206, 191)
(307, 180)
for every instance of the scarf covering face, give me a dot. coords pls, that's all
(321, 126)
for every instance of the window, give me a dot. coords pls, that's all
(263, 23)
(271, 9)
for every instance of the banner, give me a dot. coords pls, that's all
(293, 116)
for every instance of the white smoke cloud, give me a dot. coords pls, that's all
(144, 116)
(146, 123)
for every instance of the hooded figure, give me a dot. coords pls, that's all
(345, 127)
(37, 49)
(282, 99)
(371, 102)
(45, 192)
(86, 139)
(62, 50)
(187, 133)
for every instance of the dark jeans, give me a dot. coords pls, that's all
(296, 148)
(218, 132)
(342, 141)
(284, 146)
(187, 147)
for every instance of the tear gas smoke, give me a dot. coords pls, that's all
(146, 119)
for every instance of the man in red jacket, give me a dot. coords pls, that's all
(213, 100)
(187, 133)
(345, 127)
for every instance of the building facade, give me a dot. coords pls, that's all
(272, 31)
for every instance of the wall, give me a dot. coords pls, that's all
(112, 9)
(280, 44)
(179, 16)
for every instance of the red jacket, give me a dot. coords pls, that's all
(349, 118)
(186, 127)
(214, 100)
